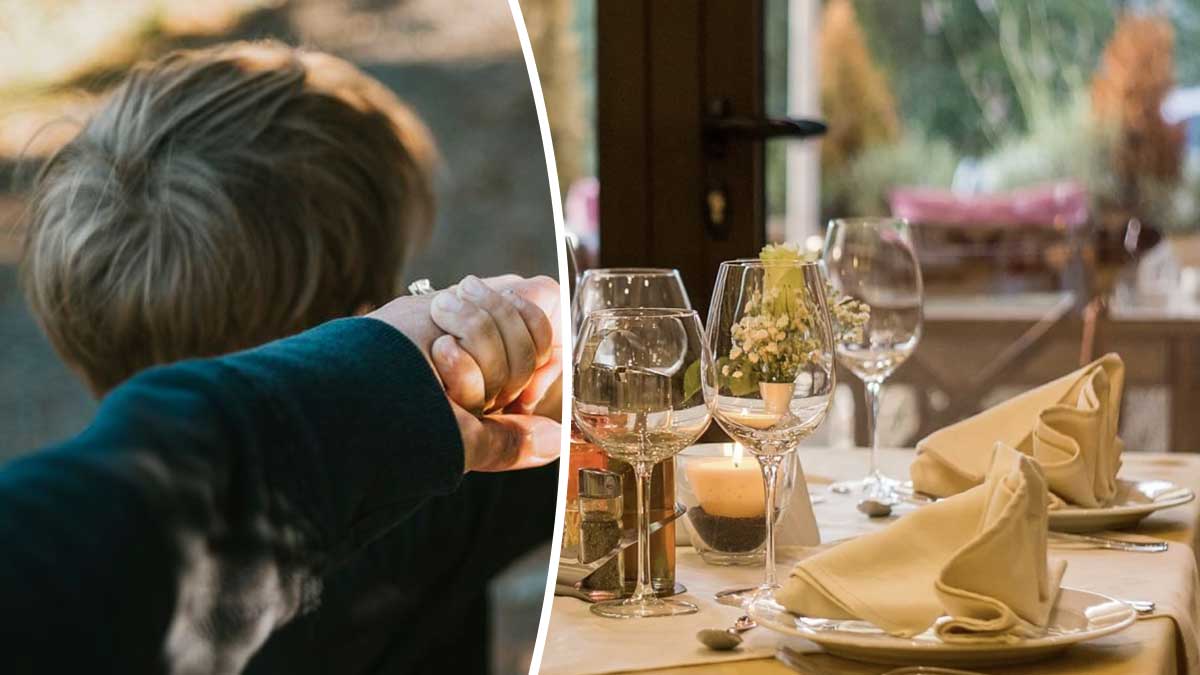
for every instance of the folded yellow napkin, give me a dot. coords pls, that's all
(975, 564)
(1069, 426)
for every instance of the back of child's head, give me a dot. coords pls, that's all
(220, 199)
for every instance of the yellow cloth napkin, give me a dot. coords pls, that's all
(978, 560)
(1069, 426)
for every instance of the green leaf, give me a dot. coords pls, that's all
(737, 386)
(691, 381)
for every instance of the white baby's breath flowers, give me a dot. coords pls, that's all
(776, 335)
(849, 316)
(770, 346)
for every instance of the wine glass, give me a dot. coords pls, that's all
(627, 287)
(770, 380)
(874, 271)
(572, 257)
(614, 288)
(631, 400)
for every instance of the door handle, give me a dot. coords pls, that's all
(760, 128)
(720, 126)
(719, 129)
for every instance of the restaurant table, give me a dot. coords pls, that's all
(578, 642)
(974, 346)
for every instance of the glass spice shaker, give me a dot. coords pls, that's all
(600, 507)
(582, 455)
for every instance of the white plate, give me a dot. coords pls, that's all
(860, 641)
(1136, 499)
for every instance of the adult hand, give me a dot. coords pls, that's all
(526, 436)
(471, 344)
(498, 339)
(504, 442)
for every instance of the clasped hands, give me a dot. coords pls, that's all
(496, 346)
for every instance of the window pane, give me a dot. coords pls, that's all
(1042, 150)
(577, 151)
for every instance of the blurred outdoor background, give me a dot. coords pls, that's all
(1047, 153)
(457, 63)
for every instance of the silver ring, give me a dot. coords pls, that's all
(421, 287)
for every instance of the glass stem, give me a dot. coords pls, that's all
(871, 391)
(644, 591)
(770, 472)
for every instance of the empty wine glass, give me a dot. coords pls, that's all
(631, 400)
(614, 288)
(771, 378)
(873, 269)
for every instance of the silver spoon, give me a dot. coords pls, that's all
(874, 508)
(729, 638)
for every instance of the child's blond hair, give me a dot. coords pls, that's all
(220, 199)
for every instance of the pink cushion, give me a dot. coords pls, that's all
(1062, 204)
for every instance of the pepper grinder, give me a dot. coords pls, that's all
(600, 513)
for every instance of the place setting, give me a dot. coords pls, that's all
(961, 563)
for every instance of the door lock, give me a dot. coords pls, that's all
(716, 201)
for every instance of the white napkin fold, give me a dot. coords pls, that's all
(978, 560)
(1069, 426)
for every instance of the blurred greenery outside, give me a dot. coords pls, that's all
(1001, 91)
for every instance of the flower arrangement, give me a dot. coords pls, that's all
(777, 334)
(849, 315)
(770, 345)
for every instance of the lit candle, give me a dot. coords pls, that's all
(751, 418)
(729, 486)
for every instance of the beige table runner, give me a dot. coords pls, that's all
(579, 643)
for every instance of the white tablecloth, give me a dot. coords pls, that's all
(579, 642)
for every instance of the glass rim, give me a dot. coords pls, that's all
(868, 220)
(757, 262)
(642, 312)
(626, 271)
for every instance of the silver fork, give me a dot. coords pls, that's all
(1090, 541)
(1141, 606)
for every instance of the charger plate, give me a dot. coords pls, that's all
(1069, 624)
(1135, 500)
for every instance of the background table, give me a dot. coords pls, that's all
(973, 346)
(580, 643)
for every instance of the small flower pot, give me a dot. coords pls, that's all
(777, 396)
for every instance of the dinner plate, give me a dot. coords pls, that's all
(1135, 500)
(858, 640)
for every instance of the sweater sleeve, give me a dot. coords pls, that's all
(201, 506)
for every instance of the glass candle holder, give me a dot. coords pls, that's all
(722, 487)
